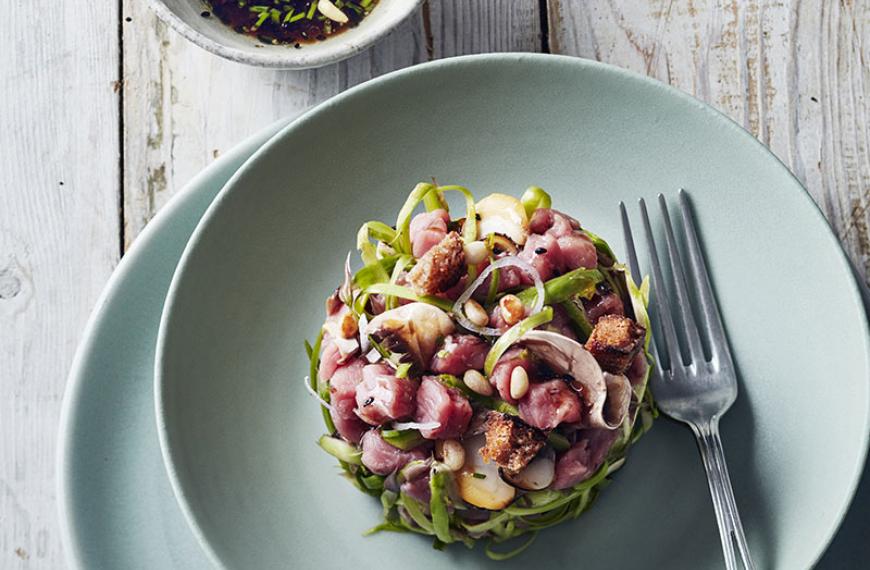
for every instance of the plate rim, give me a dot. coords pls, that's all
(719, 117)
(75, 386)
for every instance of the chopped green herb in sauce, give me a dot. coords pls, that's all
(293, 22)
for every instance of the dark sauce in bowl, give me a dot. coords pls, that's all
(294, 22)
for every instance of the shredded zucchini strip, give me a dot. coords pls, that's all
(513, 334)
(406, 293)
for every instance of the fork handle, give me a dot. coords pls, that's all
(727, 516)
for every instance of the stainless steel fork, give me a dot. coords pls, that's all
(691, 385)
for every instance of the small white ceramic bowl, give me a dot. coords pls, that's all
(185, 16)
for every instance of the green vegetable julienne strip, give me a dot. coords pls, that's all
(464, 539)
(369, 275)
(401, 263)
(501, 406)
(576, 491)
(639, 302)
(403, 439)
(494, 520)
(549, 519)
(314, 381)
(538, 498)
(546, 507)
(314, 363)
(484, 401)
(506, 532)
(340, 449)
(495, 275)
(402, 241)
(434, 200)
(578, 318)
(373, 483)
(596, 478)
(469, 228)
(378, 230)
(583, 503)
(327, 419)
(405, 293)
(513, 334)
(375, 273)
(381, 231)
(601, 246)
(576, 282)
(533, 198)
(493, 555)
(452, 381)
(388, 526)
(438, 505)
(558, 441)
(416, 513)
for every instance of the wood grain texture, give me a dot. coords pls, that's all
(796, 74)
(183, 106)
(59, 227)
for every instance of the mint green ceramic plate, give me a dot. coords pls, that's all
(117, 509)
(237, 429)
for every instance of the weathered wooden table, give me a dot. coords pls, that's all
(105, 113)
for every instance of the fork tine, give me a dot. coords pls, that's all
(672, 346)
(709, 309)
(629, 245)
(696, 351)
(635, 273)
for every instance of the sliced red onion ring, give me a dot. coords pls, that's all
(311, 391)
(416, 425)
(509, 261)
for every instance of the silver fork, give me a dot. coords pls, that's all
(691, 386)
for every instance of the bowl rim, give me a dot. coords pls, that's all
(294, 59)
(160, 385)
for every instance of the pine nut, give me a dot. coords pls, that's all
(477, 383)
(451, 453)
(349, 326)
(519, 382)
(512, 309)
(475, 313)
(475, 252)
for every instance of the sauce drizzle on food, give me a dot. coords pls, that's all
(293, 22)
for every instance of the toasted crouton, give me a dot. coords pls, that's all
(510, 442)
(440, 268)
(614, 342)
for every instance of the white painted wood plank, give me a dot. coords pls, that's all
(183, 105)
(795, 74)
(59, 241)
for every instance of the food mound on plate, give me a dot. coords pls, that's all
(483, 375)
